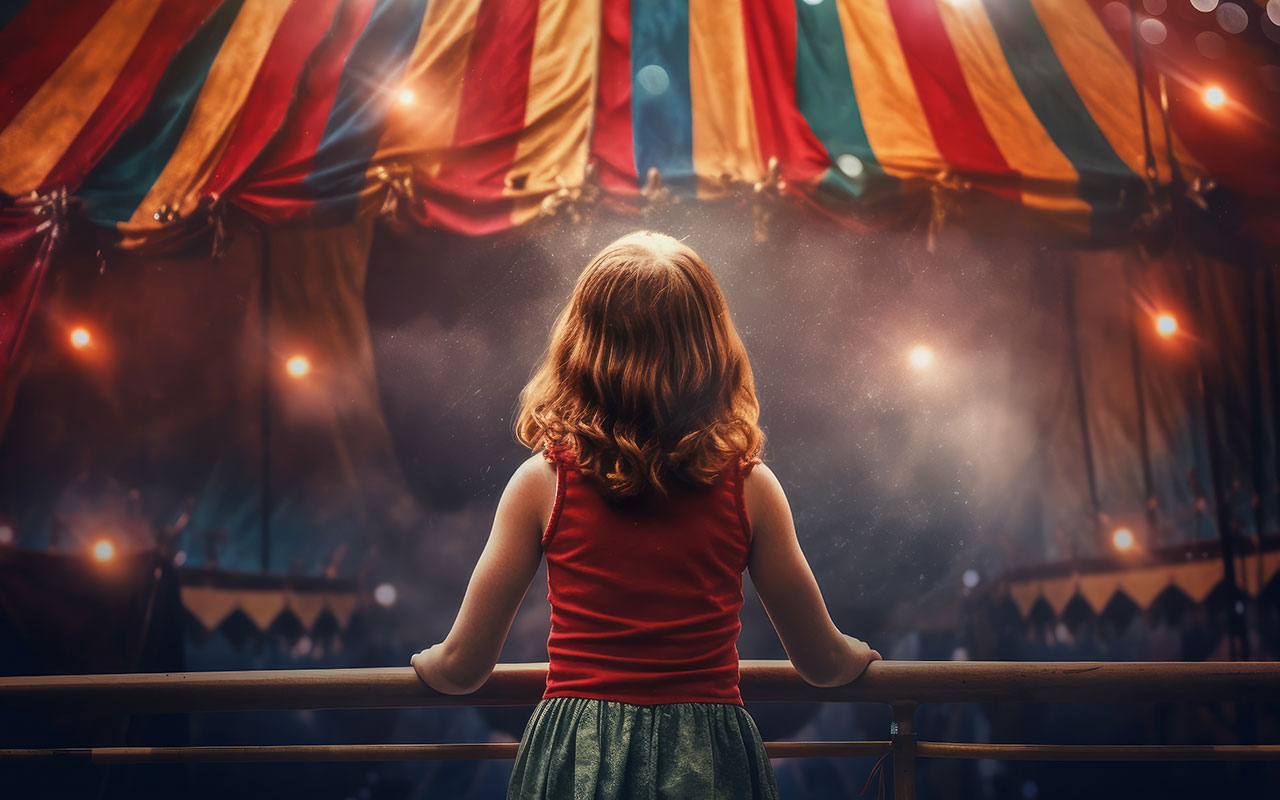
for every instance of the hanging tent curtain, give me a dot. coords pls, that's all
(478, 114)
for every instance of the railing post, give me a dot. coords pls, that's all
(902, 736)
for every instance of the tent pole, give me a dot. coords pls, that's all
(1237, 635)
(1135, 353)
(1082, 412)
(265, 505)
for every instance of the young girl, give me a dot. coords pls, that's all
(647, 497)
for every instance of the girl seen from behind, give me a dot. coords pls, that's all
(647, 496)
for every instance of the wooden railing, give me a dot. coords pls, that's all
(903, 685)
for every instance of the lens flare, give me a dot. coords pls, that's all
(80, 338)
(1166, 325)
(298, 366)
(406, 97)
(1214, 97)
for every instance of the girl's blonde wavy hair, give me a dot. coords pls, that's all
(645, 378)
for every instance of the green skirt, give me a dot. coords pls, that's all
(575, 748)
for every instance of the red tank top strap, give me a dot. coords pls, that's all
(744, 467)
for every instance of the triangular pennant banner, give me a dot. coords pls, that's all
(1058, 592)
(208, 605)
(1097, 590)
(1024, 596)
(1197, 578)
(1142, 585)
(306, 606)
(262, 607)
(342, 606)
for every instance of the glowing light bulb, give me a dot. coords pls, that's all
(1214, 97)
(920, 357)
(104, 550)
(1166, 325)
(1122, 539)
(298, 366)
(406, 97)
(80, 338)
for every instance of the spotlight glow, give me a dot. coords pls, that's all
(1166, 325)
(385, 595)
(104, 550)
(80, 338)
(1214, 97)
(406, 97)
(920, 357)
(298, 366)
(1122, 539)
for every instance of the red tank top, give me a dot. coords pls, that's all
(645, 593)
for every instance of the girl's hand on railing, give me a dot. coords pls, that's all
(863, 655)
(427, 667)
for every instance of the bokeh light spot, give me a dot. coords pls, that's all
(298, 366)
(80, 338)
(971, 578)
(653, 79)
(1232, 18)
(406, 97)
(850, 165)
(1204, 5)
(1115, 14)
(1214, 97)
(1153, 31)
(921, 357)
(1122, 539)
(1166, 325)
(385, 595)
(1155, 7)
(103, 550)
(1210, 44)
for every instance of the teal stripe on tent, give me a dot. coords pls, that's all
(828, 101)
(114, 188)
(1106, 182)
(356, 120)
(661, 108)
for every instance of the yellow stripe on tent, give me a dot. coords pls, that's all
(1105, 81)
(725, 140)
(553, 145)
(435, 72)
(891, 113)
(1025, 144)
(39, 135)
(213, 118)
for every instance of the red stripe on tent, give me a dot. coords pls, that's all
(170, 28)
(957, 127)
(490, 118)
(36, 42)
(611, 142)
(274, 189)
(271, 95)
(770, 28)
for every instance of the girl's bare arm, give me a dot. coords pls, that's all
(819, 651)
(463, 661)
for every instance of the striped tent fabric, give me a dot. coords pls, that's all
(154, 112)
